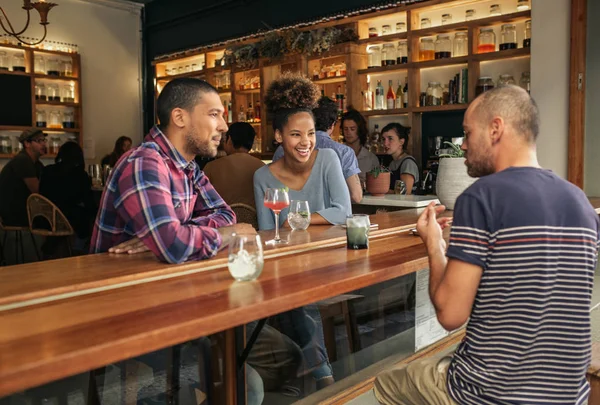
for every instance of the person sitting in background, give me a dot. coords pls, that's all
(325, 116)
(354, 130)
(21, 177)
(404, 166)
(232, 175)
(157, 198)
(67, 184)
(122, 145)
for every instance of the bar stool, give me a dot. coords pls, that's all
(18, 230)
(40, 206)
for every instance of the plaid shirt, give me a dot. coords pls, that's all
(167, 202)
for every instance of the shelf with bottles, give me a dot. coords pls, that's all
(502, 39)
(247, 82)
(443, 86)
(15, 61)
(49, 92)
(378, 113)
(505, 71)
(383, 27)
(172, 69)
(444, 107)
(60, 78)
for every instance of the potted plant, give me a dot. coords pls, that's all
(452, 178)
(378, 181)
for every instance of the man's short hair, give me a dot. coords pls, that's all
(515, 106)
(326, 114)
(242, 135)
(181, 93)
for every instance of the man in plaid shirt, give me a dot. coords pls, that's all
(157, 198)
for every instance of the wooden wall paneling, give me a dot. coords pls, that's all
(415, 140)
(356, 84)
(577, 92)
(473, 66)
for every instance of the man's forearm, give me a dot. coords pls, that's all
(437, 269)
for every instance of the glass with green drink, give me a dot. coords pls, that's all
(357, 231)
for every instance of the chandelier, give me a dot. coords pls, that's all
(42, 7)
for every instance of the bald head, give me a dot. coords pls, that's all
(514, 105)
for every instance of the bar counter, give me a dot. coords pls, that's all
(63, 317)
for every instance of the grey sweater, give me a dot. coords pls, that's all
(325, 190)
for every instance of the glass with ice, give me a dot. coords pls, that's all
(357, 231)
(245, 257)
(299, 215)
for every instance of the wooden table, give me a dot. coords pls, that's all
(63, 317)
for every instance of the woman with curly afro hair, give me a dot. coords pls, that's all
(310, 175)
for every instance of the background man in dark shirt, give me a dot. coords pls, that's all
(21, 177)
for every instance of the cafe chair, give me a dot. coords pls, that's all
(245, 214)
(39, 206)
(333, 308)
(18, 230)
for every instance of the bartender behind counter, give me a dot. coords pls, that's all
(404, 167)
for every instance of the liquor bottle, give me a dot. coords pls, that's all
(368, 99)
(242, 114)
(257, 111)
(345, 99)
(379, 96)
(229, 114)
(225, 112)
(390, 97)
(250, 113)
(405, 97)
(339, 99)
(399, 95)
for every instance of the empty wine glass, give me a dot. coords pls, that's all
(299, 215)
(246, 258)
(277, 199)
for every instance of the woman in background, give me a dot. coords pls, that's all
(122, 145)
(354, 130)
(404, 167)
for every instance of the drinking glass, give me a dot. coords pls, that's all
(357, 231)
(277, 199)
(246, 259)
(299, 215)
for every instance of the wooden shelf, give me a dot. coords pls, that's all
(15, 47)
(248, 91)
(376, 113)
(8, 72)
(464, 25)
(63, 78)
(58, 53)
(434, 108)
(383, 38)
(70, 130)
(499, 55)
(57, 103)
(221, 92)
(194, 73)
(338, 79)
(13, 128)
(461, 60)
(385, 69)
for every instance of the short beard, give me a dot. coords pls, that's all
(194, 147)
(480, 169)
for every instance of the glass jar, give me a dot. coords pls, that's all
(373, 32)
(527, 39)
(525, 81)
(374, 56)
(388, 55)
(446, 19)
(484, 83)
(52, 92)
(386, 29)
(66, 68)
(487, 40)
(461, 44)
(40, 118)
(470, 15)
(495, 10)
(523, 5)
(18, 63)
(40, 91)
(343, 69)
(426, 49)
(3, 61)
(53, 67)
(508, 37)
(425, 23)
(188, 69)
(39, 65)
(55, 120)
(400, 27)
(330, 73)
(54, 145)
(445, 95)
(5, 145)
(434, 94)
(68, 119)
(505, 80)
(402, 52)
(443, 47)
(67, 93)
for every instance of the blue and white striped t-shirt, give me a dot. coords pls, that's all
(528, 340)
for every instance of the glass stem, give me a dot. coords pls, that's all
(277, 226)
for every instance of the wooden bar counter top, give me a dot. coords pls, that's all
(63, 317)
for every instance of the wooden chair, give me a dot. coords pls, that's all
(40, 206)
(245, 213)
(18, 230)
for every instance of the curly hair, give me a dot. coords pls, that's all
(290, 94)
(361, 124)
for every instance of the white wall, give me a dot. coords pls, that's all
(592, 95)
(109, 39)
(550, 55)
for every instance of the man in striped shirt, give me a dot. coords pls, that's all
(157, 198)
(519, 267)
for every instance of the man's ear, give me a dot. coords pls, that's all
(497, 129)
(179, 117)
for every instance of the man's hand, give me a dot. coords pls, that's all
(132, 246)
(430, 227)
(227, 231)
